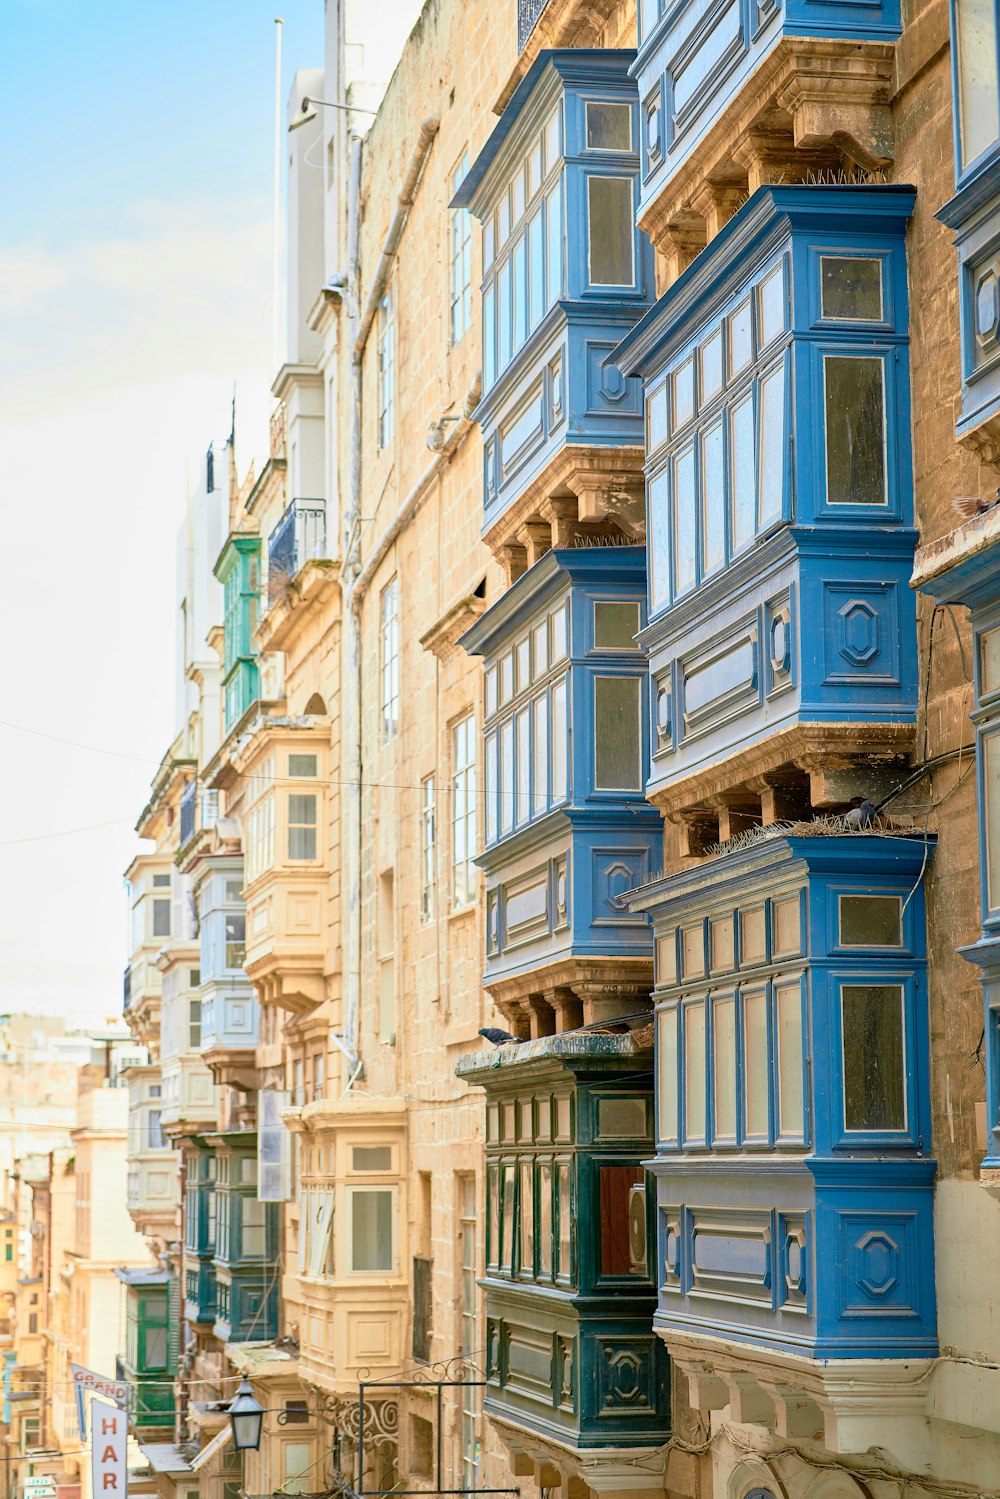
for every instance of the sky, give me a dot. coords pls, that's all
(136, 151)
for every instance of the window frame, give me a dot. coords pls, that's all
(464, 781)
(460, 259)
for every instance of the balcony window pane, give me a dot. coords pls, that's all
(507, 1224)
(491, 788)
(991, 799)
(648, 14)
(658, 528)
(615, 1184)
(371, 1230)
(541, 755)
(694, 1071)
(156, 1349)
(711, 367)
(301, 827)
(503, 316)
(740, 341)
(609, 127)
(507, 776)
(755, 1066)
(545, 1245)
(656, 418)
(744, 474)
(489, 336)
(871, 921)
(772, 446)
(254, 1228)
(872, 1019)
(540, 637)
(161, 918)
(855, 430)
(554, 244)
(683, 389)
(523, 804)
(772, 306)
(559, 744)
(565, 1269)
(617, 734)
(724, 1075)
(851, 288)
(610, 230)
(559, 634)
(520, 262)
(527, 1255)
(788, 1029)
(536, 267)
(666, 1078)
(616, 624)
(978, 104)
(713, 499)
(684, 522)
(235, 924)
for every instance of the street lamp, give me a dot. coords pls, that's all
(246, 1415)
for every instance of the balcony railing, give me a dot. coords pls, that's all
(299, 536)
(127, 987)
(199, 809)
(528, 12)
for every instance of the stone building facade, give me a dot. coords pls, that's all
(595, 659)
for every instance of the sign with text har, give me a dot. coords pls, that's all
(108, 1438)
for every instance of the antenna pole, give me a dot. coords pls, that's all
(276, 290)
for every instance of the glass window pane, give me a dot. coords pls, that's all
(520, 265)
(610, 230)
(617, 734)
(788, 1026)
(609, 127)
(615, 1187)
(540, 788)
(523, 805)
(507, 776)
(545, 1245)
(744, 474)
(565, 1266)
(978, 105)
(371, 1230)
(772, 446)
(872, 1018)
(302, 765)
(713, 499)
(855, 430)
(871, 921)
(491, 788)
(559, 745)
(156, 1348)
(559, 634)
(755, 1062)
(772, 306)
(552, 141)
(683, 388)
(694, 1071)
(301, 843)
(740, 342)
(656, 418)
(503, 315)
(489, 336)
(554, 244)
(658, 529)
(536, 267)
(711, 367)
(724, 1058)
(851, 288)
(616, 624)
(540, 637)
(527, 1217)
(666, 1077)
(684, 522)
(991, 799)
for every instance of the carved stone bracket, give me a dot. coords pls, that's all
(841, 98)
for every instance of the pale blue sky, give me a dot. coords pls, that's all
(135, 287)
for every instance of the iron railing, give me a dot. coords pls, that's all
(528, 12)
(299, 537)
(127, 987)
(189, 798)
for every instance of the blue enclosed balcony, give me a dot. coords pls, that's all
(780, 507)
(565, 275)
(567, 829)
(735, 95)
(793, 1157)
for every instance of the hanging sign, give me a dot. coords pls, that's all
(85, 1379)
(108, 1438)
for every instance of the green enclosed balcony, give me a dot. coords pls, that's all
(238, 570)
(151, 1345)
(571, 1355)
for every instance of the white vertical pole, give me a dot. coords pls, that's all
(276, 304)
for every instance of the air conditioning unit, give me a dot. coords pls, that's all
(637, 1230)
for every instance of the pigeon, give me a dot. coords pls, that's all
(497, 1036)
(860, 817)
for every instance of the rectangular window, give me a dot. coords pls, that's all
(491, 788)
(976, 58)
(713, 499)
(304, 766)
(560, 746)
(523, 803)
(389, 663)
(609, 126)
(771, 466)
(564, 1269)
(610, 231)
(788, 1030)
(386, 958)
(724, 1068)
(194, 1025)
(694, 1071)
(428, 847)
(755, 1064)
(616, 624)
(301, 827)
(297, 1462)
(526, 1259)
(874, 1060)
(554, 244)
(371, 1230)
(536, 268)
(743, 481)
(461, 258)
(617, 734)
(463, 811)
(666, 1063)
(854, 405)
(254, 1226)
(161, 918)
(155, 1131)
(507, 776)
(541, 754)
(615, 1185)
(386, 369)
(871, 921)
(851, 288)
(236, 936)
(658, 525)
(685, 535)
(508, 1189)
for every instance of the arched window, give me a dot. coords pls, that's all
(316, 705)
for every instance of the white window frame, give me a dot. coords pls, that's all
(463, 811)
(352, 1193)
(460, 258)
